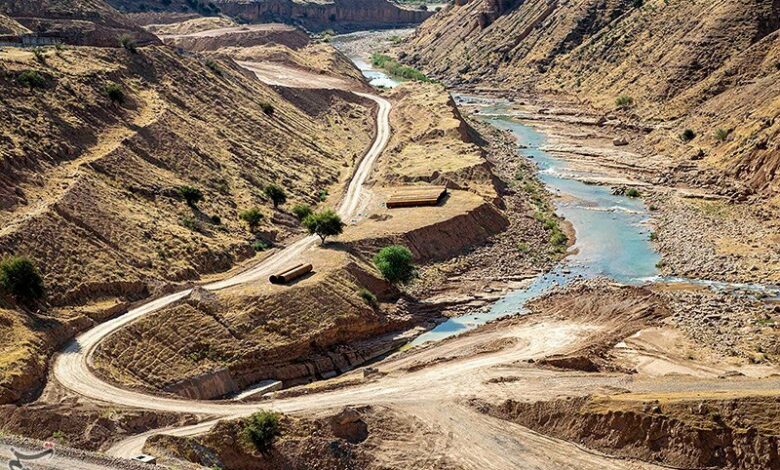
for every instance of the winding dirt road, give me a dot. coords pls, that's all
(72, 367)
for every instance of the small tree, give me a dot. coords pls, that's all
(324, 224)
(267, 108)
(687, 135)
(20, 278)
(302, 211)
(261, 429)
(192, 196)
(395, 263)
(115, 93)
(127, 42)
(276, 194)
(721, 135)
(252, 217)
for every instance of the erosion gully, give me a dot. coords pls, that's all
(613, 231)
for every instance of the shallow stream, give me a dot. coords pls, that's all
(612, 232)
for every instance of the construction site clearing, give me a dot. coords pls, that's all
(414, 196)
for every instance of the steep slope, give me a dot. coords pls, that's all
(699, 64)
(9, 26)
(89, 185)
(81, 22)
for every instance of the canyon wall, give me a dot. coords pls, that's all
(337, 15)
(712, 66)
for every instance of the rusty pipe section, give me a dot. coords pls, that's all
(291, 274)
(413, 196)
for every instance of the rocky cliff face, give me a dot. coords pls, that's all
(704, 65)
(78, 22)
(338, 15)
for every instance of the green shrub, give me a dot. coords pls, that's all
(20, 278)
(190, 223)
(558, 238)
(653, 236)
(115, 93)
(192, 196)
(721, 135)
(368, 297)
(624, 101)
(276, 194)
(267, 108)
(523, 248)
(260, 245)
(324, 224)
(216, 220)
(128, 43)
(261, 429)
(32, 79)
(394, 68)
(214, 67)
(252, 217)
(395, 264)
(301, 211)
(40, 55)
(322, 194)
(632, 192)
(687, 135)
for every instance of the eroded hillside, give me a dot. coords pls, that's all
(91, 184)
(81, 22)
(708, 66)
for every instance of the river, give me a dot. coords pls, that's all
(612, 231)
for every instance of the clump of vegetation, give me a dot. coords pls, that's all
(395, 264)
(216, 220)
(276, 194)
(60, 437)
(40, 55)
(192, 196)
(128, 43)
(20, 278)
(322, 194)
(32, 79)
(267, 108)
(115, 93)
(721, 135)
(523, 248)
(394, 68)
(214, 67)
(368, 297)
(260, 245)
(324, 224)
(190, 223)
(632, 192)
(557, 238)
(252, 217)
(653, 236)
(624, 102)
(301, 211)
(261, 429)
(687, 135)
